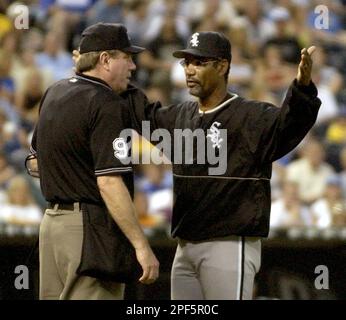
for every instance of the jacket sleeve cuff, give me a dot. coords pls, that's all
(310, 89)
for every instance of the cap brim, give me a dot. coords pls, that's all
(133, 49)
(194, 52)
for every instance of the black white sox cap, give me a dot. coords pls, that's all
(208, 44)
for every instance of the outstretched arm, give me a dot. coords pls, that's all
(285, 127)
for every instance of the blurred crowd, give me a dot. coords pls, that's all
(308, 185)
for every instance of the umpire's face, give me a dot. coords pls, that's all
(120, 67)
(203, 75)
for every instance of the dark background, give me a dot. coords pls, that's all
(287, 271)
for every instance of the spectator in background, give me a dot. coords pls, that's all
(277, 180)
(259, 27)
(54, 58)
(310, 172)
(214, 15)
(284, 39)
(336, 132)
(6, 171)
(288, 210)
(221, 11)
(330, 210)
(137, 19)
(7, 84)
(8, 111)
(158, 12)
(107, 11)
(157, 59)
(65, 17)
(28, 99)
(156, 182)
(343, 172)
(33, 40)
(259, 91)
(10, 43)
(5, 21)
(242, 72)
(30, 44)
(329, 107)
(20, 210)
(177, 77)
(328, 75)
(149, 222)
(239, 37)
(300, 28)
(335, 139)
(274, 72)
(155, 178)
(13, 141)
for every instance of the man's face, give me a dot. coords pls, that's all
(201, 75)
(120, 68)
(315, 153)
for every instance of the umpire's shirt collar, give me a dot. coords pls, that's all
(79, 75)
(92, 79)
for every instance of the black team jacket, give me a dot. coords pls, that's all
(238, 201)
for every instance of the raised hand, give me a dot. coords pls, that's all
(305, 66)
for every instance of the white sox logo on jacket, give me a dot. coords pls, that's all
(215, 135)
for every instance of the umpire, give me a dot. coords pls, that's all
(78, 148)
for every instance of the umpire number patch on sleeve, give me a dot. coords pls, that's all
(120, 148)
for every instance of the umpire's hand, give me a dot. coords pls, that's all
(305, 66)
(149, 264)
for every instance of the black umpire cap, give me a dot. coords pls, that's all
(107, 36)
(207, 44)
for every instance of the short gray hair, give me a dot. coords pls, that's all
(88, 61)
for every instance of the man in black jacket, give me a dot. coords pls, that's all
(219, 217)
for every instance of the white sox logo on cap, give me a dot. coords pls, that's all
(207, 44)
(194, 40)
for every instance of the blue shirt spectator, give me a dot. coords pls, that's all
(68, 5)
(108, 11)
(54, 60)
